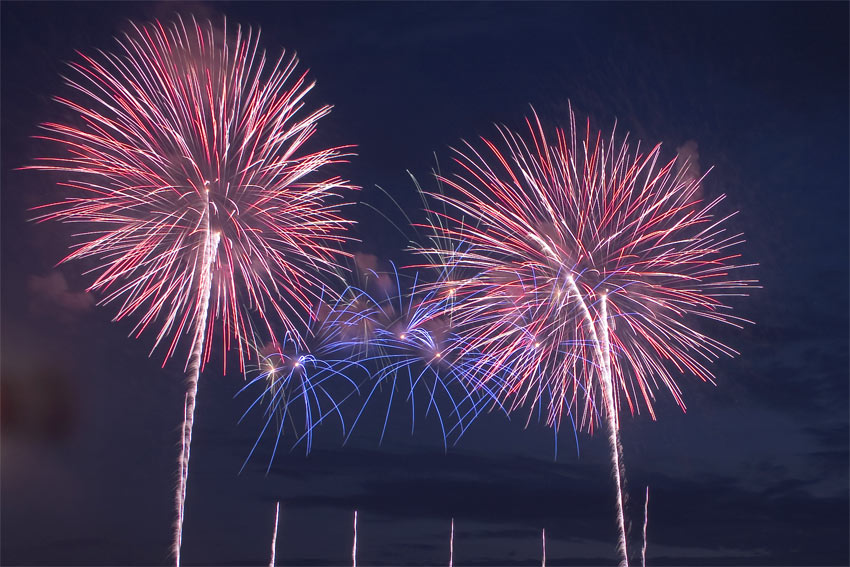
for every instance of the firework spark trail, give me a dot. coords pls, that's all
(354, 547)
(205, 283)
(452, 544)
(579, 272)
(602, 349)
(186, 169)
(543, 564)
(274, 534)
(181, 492)
(613, 430)
(645, 522)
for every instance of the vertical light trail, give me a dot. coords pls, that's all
(603, 352)
(645, 521)
(211, 241)
(544, 548)
(274, 534)
(613, 428)
(354, 548)
(452, 545)
(183, 447)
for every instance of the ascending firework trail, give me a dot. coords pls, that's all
(185, 167)
(578, 268)
(543, 537)
(354, 545)
(274, 534)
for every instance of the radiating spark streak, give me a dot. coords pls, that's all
(274, 534)
(408, 343)
(310, 381)
(292, 377)
(645, 522)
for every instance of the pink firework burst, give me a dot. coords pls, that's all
(189, 135)
(579, 271)
(187, 168)
(538, 231)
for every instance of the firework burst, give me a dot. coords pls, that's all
(204, 214)
(411, 346)
(305, 381)
(580, 270)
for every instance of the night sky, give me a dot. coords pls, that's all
(756, 471)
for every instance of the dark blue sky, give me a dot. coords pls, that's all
(756, 472)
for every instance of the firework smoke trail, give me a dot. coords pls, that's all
(274, 534)
(187, 171)
(354, 547)
(579, 269)
(645, 522)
